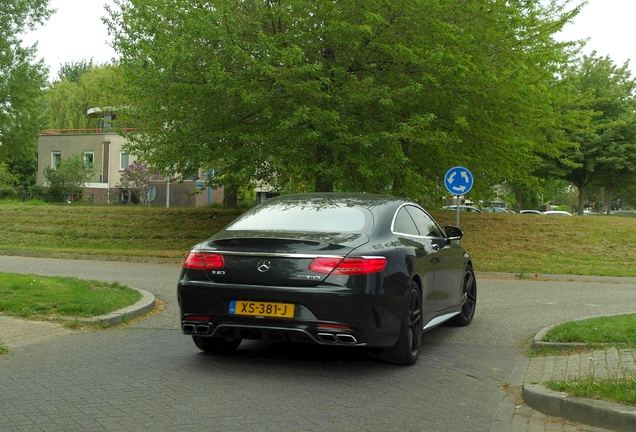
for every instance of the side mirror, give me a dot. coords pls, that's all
(453, 232)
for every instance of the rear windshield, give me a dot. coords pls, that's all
(306, 216)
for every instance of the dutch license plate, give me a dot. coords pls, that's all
(261, 309)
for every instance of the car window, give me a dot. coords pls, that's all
(424, 223)
(306, 217)
(404, 223)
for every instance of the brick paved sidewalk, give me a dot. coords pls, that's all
(16, 332)
(602, 363)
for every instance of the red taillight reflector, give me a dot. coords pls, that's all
(203, 261)
(196, 318)
(334, 326)
(348, 266)
(324, 265)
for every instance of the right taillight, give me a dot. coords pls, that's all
(348, 266)
(203, 261)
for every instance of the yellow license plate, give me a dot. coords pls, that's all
(261, 309)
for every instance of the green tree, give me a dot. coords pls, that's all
(323, 95)
(82, 87)
(617, 166)
(22, 79)
(73, 71)
(23, 170)
(6, 178)
(605, 138)
(65, 182)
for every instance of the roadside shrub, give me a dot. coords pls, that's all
(68, 178)
(8, 193)
(36, 192)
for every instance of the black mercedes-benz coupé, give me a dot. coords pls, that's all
(331, 269)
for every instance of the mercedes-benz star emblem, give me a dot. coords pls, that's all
(263, 266)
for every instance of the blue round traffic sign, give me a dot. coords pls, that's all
(458, 180)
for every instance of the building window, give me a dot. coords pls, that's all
(107, 121)
(56, 158)
(89, 159)
(124, 160)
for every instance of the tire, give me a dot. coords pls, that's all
(215, 345)
(407, 350)
(469, 299)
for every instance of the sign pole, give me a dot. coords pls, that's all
(457, 211)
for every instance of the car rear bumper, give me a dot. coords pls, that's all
(328, 315)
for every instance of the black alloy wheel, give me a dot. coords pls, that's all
(216, 345)
(469, 299)
(407, 350)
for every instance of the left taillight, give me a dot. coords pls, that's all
(348, 266)
(203, 261)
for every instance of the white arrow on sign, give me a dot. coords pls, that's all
(459, 188)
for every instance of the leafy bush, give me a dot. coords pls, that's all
(135, 181)
(36, 192)
(67, 180)
(8, 193)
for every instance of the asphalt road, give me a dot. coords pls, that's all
(148, 376)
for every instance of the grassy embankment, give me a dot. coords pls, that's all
(521, 244)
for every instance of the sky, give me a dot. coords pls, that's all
(609, 25)
(73, 33)
(76, 32)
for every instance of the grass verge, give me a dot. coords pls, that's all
(618, 331)
(618, 390)
(45, 298)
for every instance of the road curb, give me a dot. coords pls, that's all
(593, 412)
(146, 304)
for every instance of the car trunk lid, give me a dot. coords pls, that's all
(279, 258)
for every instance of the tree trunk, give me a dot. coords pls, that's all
(323, 158)
(230, 196)
(581, 189)
(610, 190)
(518, 198)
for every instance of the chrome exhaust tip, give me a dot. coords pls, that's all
(346, 339)
(327, 338)
(188, 328)
(202, 329)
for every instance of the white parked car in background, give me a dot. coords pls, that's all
(557, 213)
